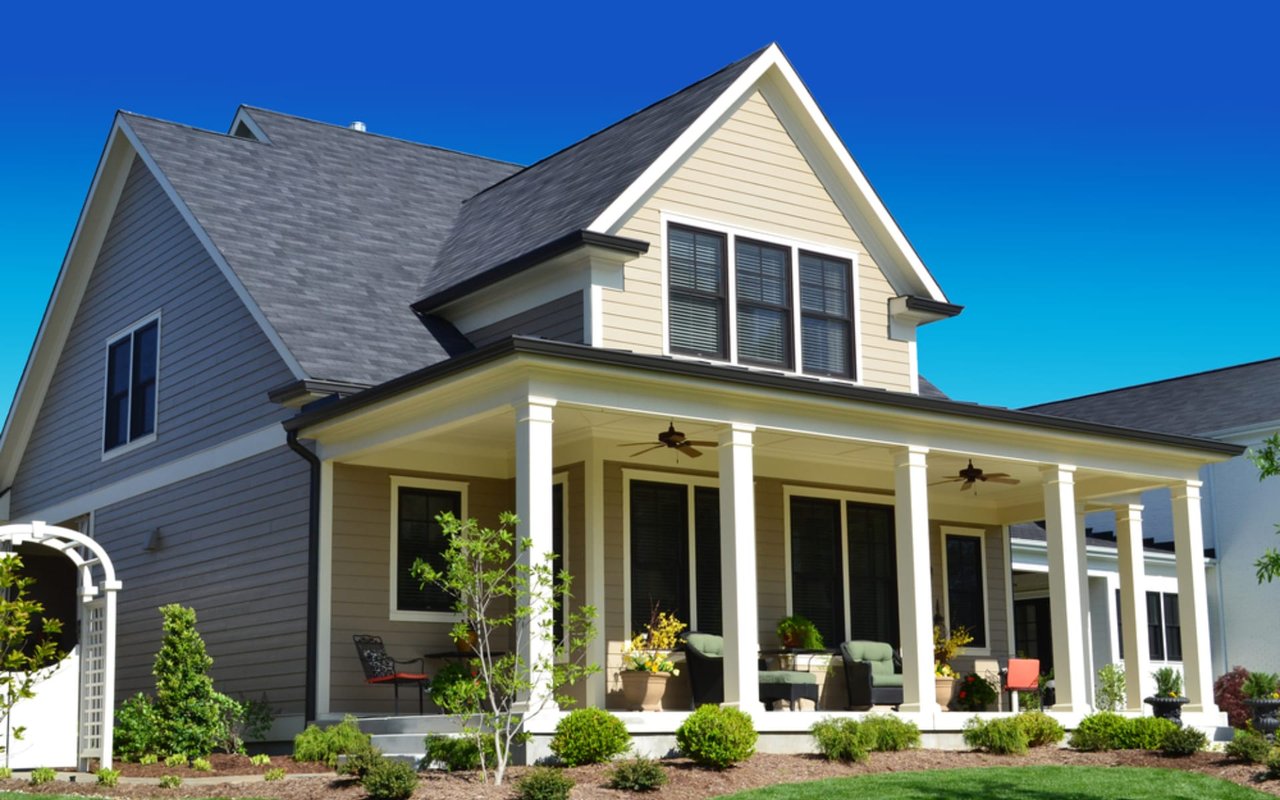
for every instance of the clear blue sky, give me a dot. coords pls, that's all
(1098, 183)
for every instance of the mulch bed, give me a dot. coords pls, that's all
(687, 782)
(223, 764)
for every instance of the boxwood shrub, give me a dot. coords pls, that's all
(589, 736)
(717, 736)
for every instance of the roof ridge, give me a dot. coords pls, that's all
(185, 126)
(398, 139)
(754, 55)
(1153, 383)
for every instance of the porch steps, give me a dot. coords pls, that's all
(401, 738)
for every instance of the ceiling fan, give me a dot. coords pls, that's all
(672, 439)
(971, 474)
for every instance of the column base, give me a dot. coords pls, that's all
(753, 707)
(1071, 708)
(919, 708)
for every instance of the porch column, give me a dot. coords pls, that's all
(1193, 598)
(1069, 678)
(915, 612)
(533, 507)
(1086, 609)
(1133, 602)
(738, 568)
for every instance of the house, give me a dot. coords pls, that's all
(274, 354)
(1239, 404)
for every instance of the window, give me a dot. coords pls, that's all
(561, 552)
(1164, 631)
(415, 506)
(131, 386)
(665, 571)
(817, 580)
(762, 274)
(826, 319)
(696, 270)
(965, 593)
(873, 574)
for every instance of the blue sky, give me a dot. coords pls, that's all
(1099, 184)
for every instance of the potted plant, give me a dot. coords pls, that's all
(466, 644)
(1262, 695)
(975, 693)
(1168, 701)
(945, 649)
(799, 633)
(648, 665)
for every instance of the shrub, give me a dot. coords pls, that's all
(637, 775)
(589, 736)
(1261, 686)
(260, 760)
(840, 740)
(201, 765)
(1273, 763)
(456, 690)
(43, 775)
(544, 783)
(108, 777)
(1168, 682)
(170, 781)
(274, 774)
(1183, 742)
(1249, 746)
(135, 729)
(1003, 736)
(5, 773)
(360, 762)
(975, 693)
(885, 733)
(390, 780)
(1104, 730)
(315, 744)
(175, 760)
(717, 736)
(190, 716)
(1040, 728)
(456, 753)
(149, 758)
(1145, 733)
(1110, 691)
(1229, 696)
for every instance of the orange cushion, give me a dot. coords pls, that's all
(1024, 674)
(399, 676)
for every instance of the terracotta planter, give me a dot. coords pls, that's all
(946, 688)
(643, 690)
(1169, 708)
(467, 646)
(1266, 715)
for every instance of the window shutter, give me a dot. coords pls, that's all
(659, 551)
(817, 582)
(706, 525)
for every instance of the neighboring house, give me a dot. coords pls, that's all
(1239, 404)
(274, 355)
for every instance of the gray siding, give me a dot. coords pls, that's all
(216, 364)
(559, 319)
(234, 547)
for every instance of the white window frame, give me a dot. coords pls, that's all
(844, 497)
(130, 444)
(981, 535)
(731, 232)
(397, 483)
(689, 482)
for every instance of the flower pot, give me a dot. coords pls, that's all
(643, 690)
(945, 688)
(1266, 714)
(467, 646)
(1169, 708)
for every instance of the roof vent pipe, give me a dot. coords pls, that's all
(357, 126)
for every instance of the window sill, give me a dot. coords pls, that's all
(449, 617)
(120, 450)
(789, 373)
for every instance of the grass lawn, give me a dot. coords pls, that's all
(1016, 783)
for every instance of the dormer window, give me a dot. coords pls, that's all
(132, 371)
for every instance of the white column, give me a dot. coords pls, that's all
(915, 612)
(738, 568)
(1086, 615)
(1133, 602)
(1193, 598)
(593, 581)
(533, 507)
(1069, 677)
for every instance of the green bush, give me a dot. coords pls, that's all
(43, 775)
(1111, 688)
(637, 775)
(1041, 729)
(360, 762)
(260, 760)
(5, 773)
(1003, 736)
(840, 740)
(108, 777)
(274, 774)
(202, 765)
(885, 733)
(589, 736)
(1145, 733)
(170, 781)
(456, 690)
(1249, 746)
(325, 745)
(390, 780)
(191, 717)
(1183, 742)
(175, 760)
(135, 729)
(1261, 685)
(1168, 682)
(456, 753)
(975, 693)
(1273, 763)
(717, 736)
(544, 783)
(149, 758)
(1104, 730)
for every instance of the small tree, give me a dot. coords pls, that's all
(500, 599)
(191, 716)
(1267, 460)
(23, 663)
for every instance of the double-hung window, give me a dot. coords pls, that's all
(762, 274)
(698, 280)
(132, 367)
(674, 547)
(1164, 628)
(966, 585)
(826, 315)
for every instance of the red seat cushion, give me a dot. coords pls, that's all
(399, 676)
(1024, 674)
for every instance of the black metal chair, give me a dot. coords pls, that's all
(704, 655)
(380, 668)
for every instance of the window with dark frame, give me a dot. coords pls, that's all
(131, 386)
(1155, 627)
(873, 574)
(557, 547)
(661, 572)
(419, 535)
(697, 285)
(826, 315)
(817, 577)
(762, 275)
(1172, 628)
(966, 586)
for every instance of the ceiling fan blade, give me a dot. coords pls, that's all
(648, 450)
(946, 480)
(966, 484)
(991, 475)
(1003, 479)
(689, 451)
(638, 444)
(696, 443)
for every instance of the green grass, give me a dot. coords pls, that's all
(1015, 783)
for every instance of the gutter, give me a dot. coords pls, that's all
(313, 571)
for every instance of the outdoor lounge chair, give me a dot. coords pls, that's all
(869, 674)
(705, 655)
(380, 668)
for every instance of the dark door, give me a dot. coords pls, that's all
(1033, 636)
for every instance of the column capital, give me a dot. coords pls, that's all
(737, 434)
(1129, 511)
(1058, 473)
(535, 409)
(1188, 489)
(910, 456)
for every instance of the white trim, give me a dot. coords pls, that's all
(243, 115)
(593, 539)
(404, 481)
(165, 474)
(324, 592)
(1006, 542)
(130, 444)
(981, 535)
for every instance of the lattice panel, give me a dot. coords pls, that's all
(93, 662)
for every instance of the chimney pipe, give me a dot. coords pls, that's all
(358, 126)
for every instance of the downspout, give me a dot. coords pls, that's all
(313, 570)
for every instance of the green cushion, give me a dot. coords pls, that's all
(878, 654)
(789, 677)
(707, 644)
(879, 679)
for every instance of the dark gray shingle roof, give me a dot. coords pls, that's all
(565, 192)
(329, 229)
(928, 389)
(1199, 404)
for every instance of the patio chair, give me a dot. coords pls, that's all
(704, 653)
(1022, 675)
(869, 674)
(380, 668)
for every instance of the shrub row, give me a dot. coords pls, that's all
(851, 740)
(1013, 735)
(1109, 731)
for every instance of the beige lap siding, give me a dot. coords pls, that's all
(750, 174)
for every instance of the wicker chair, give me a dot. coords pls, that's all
(380, 668)
(870, 675)
(704, 653)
